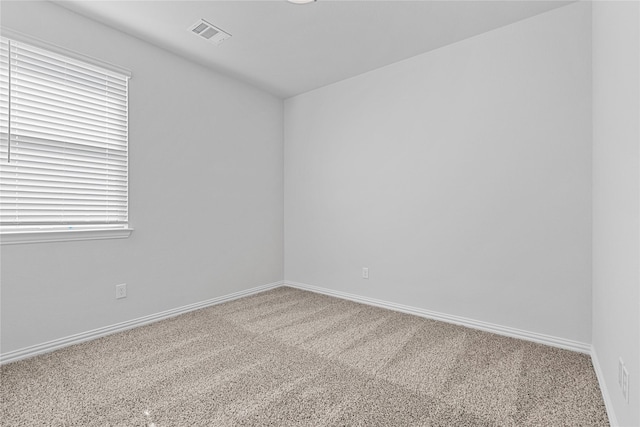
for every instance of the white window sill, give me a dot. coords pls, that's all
(46, 236)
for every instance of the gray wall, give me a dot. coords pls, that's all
(206, 195)
(461, 178)
(616, 199)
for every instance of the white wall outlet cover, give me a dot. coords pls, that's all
(625, 384)
(620, 368)
(121, 291)
(365, 273)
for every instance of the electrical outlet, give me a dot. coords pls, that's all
(625, 384)
(121, 291)
(620, 368)
(623, 379)
(365, 273)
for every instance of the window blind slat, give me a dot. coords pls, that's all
(59, 137)
(54, 162)
(67, 87)
(20, 88)
(63, 201)
(25, 50)
(69, 150)
(69, 147)
(51, 118)
(40, 206)
(10, 188)
(39, 210)
(29, 102)
(45, 162)
(47, 168)
(69, 220)
(44, 193)
(70, 117)
(63, 140)
(64, 91)
(45, 74)
(34, 174)
(56, 180)
(42, 126)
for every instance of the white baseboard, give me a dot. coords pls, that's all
(458, 320)
(613, 421)
(46, 347)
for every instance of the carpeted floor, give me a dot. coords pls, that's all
(288, 357)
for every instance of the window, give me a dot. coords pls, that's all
(63, 144)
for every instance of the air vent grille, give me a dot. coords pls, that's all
(209, 32)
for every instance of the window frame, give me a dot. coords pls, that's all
(61, 233)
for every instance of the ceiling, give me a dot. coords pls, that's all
(288, 49)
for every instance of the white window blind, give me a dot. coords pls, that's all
(63, 142)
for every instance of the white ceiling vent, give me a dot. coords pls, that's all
(209, 32)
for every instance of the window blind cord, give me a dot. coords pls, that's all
(9, 108)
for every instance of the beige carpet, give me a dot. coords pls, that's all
(288, 357)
